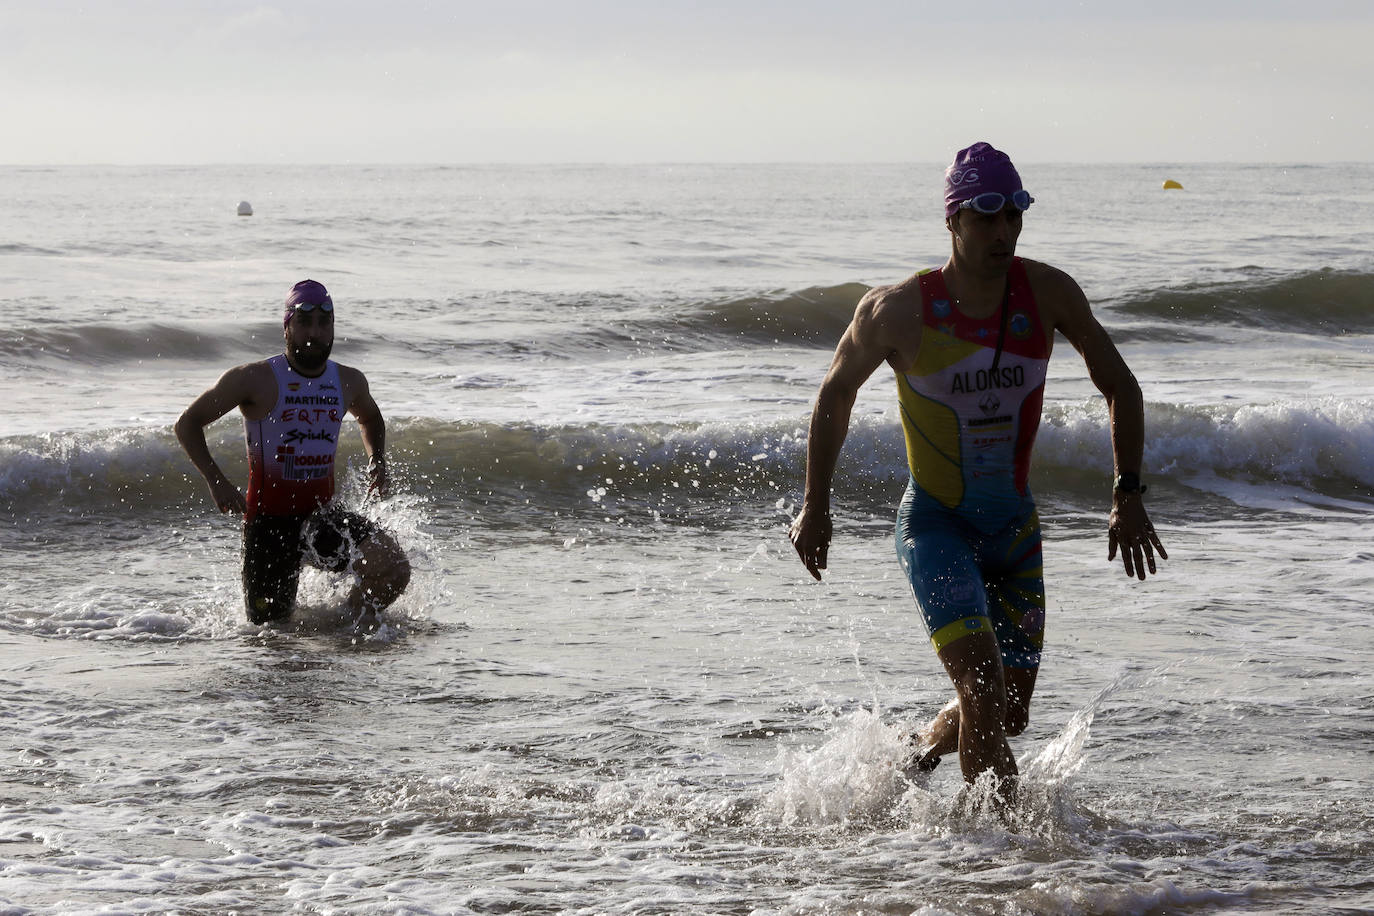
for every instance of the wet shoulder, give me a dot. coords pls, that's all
(889, 319)
(352, 381)
(252, 386)
(349, 375)
(1048, 281)
(256, 375)
(896, 302)
(1057, 294)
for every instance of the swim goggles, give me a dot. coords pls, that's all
(990, 202)
(325, 306)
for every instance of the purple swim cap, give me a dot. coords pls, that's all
(306, 292)
(977, 169)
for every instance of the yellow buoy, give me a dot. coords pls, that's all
(1171, 185)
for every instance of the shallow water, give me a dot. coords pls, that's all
(612, 688)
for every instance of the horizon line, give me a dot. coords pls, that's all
(603, 163)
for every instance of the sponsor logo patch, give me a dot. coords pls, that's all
(960, 591)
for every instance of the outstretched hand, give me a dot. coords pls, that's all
(1129, 528)
(810, 534)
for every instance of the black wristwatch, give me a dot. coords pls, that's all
(1128, 482)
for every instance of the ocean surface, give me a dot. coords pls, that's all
(612, 688)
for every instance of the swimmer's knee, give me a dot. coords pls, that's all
(981, 696)
(263, 610)
(1017, 722)
(380, 553)
(384, 568)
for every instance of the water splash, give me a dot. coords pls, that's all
(855, 775)
(858, 776)
(175, 608)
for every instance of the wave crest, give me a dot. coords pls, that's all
(1326, 301)
(1323, 445)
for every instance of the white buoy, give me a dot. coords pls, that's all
(245, 208)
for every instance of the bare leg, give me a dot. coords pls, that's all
(975, 666)
(941, 736)
(383, 574)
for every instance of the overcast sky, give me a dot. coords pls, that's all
(344, 81)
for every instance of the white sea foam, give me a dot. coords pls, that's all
(1322, 443)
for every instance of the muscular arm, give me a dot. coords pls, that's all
(373, 428)
(1129, 525)
(235, 388)
(867, 342)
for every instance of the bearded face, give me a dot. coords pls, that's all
(309, 338)
(311, 356)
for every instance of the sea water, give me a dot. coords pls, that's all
(611, 687)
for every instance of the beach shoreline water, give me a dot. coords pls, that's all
(612, 687)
